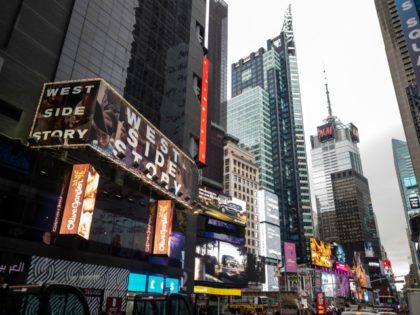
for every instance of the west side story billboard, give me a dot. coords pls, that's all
(90, 113)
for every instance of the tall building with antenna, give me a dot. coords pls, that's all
(272, 73)
(334, 149)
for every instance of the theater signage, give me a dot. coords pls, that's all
(80, 202)
(90, 113)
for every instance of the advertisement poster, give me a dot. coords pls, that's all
(163, 229)
(270, 244)
(90, 113)
(290, 256)
(222, 207)
(321, 305)
(368, 249)
(360, 271)
(220, 262)
(80, 202)
(328, 284)
(320, 253)
(342, 286)
(387, 268)
(150, 229)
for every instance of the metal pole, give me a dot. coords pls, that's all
(218, 305)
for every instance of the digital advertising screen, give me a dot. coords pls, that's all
(137, 282)
(342, 286)
(90, 113)
(326, 132)
(320, 253)
(155, 284)
(222, 207)
(220, 262)
(337, 253)
(328, 284)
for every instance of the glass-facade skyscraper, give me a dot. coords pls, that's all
(248, 119)
(275, 71)
(408, 188)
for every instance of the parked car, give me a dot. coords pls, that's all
(231, 208)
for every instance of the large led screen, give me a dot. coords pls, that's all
(222, 207)
(90, 113)
(328, 284)
(320, 253)
(220, 262)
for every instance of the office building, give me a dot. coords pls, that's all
(275, 72)
(216, 53)
(241, 181)
(248, 117)
(334, 149)
(403, 64)
(408, 188)
(355, 221)
(151, 53)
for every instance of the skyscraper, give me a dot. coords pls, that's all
(408, 188)
(248, 119)
(275, 71)
(334, 149)
(151, 52)
(356, 226)
(403, 62)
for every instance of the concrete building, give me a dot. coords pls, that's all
(334, 149)
(241, 181)
(404, 67)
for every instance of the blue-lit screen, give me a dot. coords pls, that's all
(155, 284)
(172, 285)
(137, 282)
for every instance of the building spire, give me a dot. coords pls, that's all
(330, 115)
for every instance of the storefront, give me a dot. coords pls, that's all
(77, 207)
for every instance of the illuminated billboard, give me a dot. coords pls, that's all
(290, 257)
(222, 207)
(354, 133)
(202, 146)
(360, 271)
(414, 201)
(326, 132)
(150, 228)
(163, 228)
(338, 256)
(320, 253)
(220, 262)
(76, 218)
(90, 113)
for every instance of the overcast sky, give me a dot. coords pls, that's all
(345, 37)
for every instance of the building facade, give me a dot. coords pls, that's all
(151, 53)
(408, 189)
(402, 60)
(334, 149)
(241, 181)
(355, 221)
(275, 71)
(248, 118)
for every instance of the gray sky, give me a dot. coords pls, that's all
(345, 37)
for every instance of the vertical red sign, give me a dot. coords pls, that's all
(321, 307)
(203, 113)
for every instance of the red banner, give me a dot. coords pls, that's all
(163, 227)
(203, 113)
(321, 307)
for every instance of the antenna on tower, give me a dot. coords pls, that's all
(328, 95)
